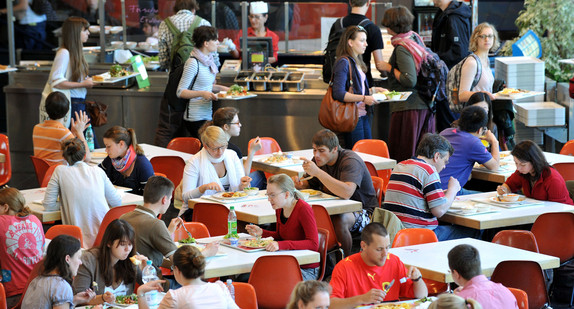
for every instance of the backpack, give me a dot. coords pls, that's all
(331, 49)
(453, 83)
(170, 93)
(431, 79)
(182, 44)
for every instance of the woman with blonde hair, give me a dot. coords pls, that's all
(451, 301)
(21, 242)
(126, 165)
(310, 294)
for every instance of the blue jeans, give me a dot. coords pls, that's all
(79, 104)
(448, 232)
(464, 191)
(362, 131)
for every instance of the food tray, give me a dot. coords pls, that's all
(277, 81)
(243, 78)
(517, 96)
(295, 82)
(259, 80)
(110, 80)
(404, 96)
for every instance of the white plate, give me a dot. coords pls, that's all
(108, 79)
(237, 97)
(221, 197)
(520, 95)
(315, 192)
(519, 201)
(379, 97)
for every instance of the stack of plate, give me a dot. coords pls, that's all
(522, 73)
(541, 114)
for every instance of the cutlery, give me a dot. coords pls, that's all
(188, 233)
(390, 285)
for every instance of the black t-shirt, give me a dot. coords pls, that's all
(235, 148)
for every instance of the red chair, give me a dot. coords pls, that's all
(185, 144)
(566, 170)
(41, 166)
(274, 277)
(3, 303)
(323, 237)
(63, 229)
(568, 148)
(33, 274)
(521, 298)
(111, 215)
(554, 234)
(517, 239)
(379, 184)
(372, 169)
(171, 166)
(245, 296)
(6, 166)
(48, 176)
(323, 220)
(213, 215)
(379, 148)
(524, 275)
(197, 230)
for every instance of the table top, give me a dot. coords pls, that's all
(258, 210)
(507, 166)
(501, 216)
(380, 163)
(35, 196)
(150, 152)
(431, 258)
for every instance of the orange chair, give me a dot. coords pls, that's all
(521, 298)
(171, 166)
(524, 275)
(323, 237)
(517, 239)
(185, 144)
(568, 148)
(268, 145)
(33, 274)
(6, 166)
(111, 215)
(283, 271)
(245, 296)
(3, 304)
(197, 230)
(566, 170)
(554, 234)
(213, 215)
(378, 183)
(63, 229)
(379, 148)
(323, 220)
(48, 176)
(372, 169)
(41, 167)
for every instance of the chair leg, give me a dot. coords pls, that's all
(572, 297)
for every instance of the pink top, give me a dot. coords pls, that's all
(489, 294)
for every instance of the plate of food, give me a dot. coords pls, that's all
(126, 300)
(235, 92)
(312, 192)
(506, 202)
(391, 96)
(255, 243)
(237, 195)
(115, 74)
(280, 158)
(514, 93)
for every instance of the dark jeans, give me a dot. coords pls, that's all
(193, 127)
(79, 104)
(170, 124)
(361, 131)
(30, 36)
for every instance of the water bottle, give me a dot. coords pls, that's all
(149, 274)
(90, 137)
(232, 223)
(231, 288)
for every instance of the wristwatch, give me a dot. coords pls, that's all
(417, 279)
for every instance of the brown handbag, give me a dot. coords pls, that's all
(98, 113)
(338, 116)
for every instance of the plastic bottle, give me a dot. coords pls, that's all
(149, 274)
(232, 223)
(90, 137)
(231, 288)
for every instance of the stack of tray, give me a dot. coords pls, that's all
(539, 114)
(522, 73)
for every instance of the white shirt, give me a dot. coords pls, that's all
(61, 70)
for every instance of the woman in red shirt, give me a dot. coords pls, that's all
(534, 176)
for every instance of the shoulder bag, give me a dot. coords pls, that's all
(98, 113)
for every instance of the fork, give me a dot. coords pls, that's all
(188, 233)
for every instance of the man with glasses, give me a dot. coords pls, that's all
(469, 148)
(451, 31)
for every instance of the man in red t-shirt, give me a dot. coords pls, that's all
(374, 275)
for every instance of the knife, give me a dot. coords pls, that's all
(390, 285)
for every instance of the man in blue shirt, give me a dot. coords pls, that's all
(468, 147)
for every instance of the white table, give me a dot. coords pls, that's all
(503, 217)
(431, 259)
(380, 163)
(33, 196)
(150, 152)
(507, 167)
(259, 211)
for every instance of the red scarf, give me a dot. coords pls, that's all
(123, 164)
(405, 39)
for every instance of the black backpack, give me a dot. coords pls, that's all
(431, 80)
(170, 93)
(331, 49)
(182, 44)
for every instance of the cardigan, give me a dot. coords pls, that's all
(549, 187)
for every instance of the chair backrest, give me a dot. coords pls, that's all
(40, 167)
(374, 147)
(197, 230)
(171, 166)
(48, 176)
(521, 297)
(517, 239)
(185, 144)
(324, 221)
(568, 148)
(6, 166)
(63, 229)
(566, 170)
(268, 145)
(554, 234)
(414, 236)
(3, 302)
(524, 275)
(371, 168)
(266, 270)
(378, 184)
(245, 296)
(323, 237)
(33, 274)
(391, 222)
(213, 215)
(111, 215)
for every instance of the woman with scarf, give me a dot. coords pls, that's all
(126, 164)
(410, 119)
(213, 169)
(198, 78)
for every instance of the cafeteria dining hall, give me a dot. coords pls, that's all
(286, 154)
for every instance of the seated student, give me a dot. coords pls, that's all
(534, 176)
(310, 294)
(296, 226)
(365, 277)
(464, 263)
(451, 301)
(108, 269)
(126, 165)
(85, 193)
(48, 136)
(343, 173)
(415, 195)
(468, 148)
(21, 243)
(52, 288)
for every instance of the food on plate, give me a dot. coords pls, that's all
(135, 260)
(233, 194)
(127, 299)
(97, 78)
(311, 192)
(237, 91)
(392, 306)
(188, 240)
(512, 91)
(276, 159)
(117, 70)
(256, 243)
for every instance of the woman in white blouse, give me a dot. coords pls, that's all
(84, 191)
(213, 169)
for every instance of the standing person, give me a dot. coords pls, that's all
(296, 226)
(83, 192)
(351, 46)
(310, 294)
(31, 28)
(21, 243)
(534, 176)
(69, 71)
(411, 119)
(53, 286)
(197, 83)
(126, 164)
(451, 31)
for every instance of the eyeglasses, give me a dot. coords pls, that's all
(486, 36)
(220, 148)
(274, 195)
(237, 123)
